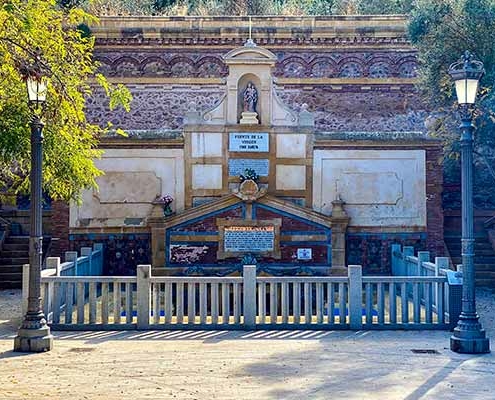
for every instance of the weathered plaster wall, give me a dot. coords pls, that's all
(132, 180)
(380, 188)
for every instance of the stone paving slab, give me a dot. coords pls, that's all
(244, 365)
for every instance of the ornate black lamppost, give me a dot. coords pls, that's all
(34, 334)
(468, 337)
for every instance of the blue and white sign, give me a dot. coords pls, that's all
(249, 142)
(249, 238)
(238, 166)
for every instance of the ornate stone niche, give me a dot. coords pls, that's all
(254, 64)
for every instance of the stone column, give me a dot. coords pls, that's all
(156, 222)
(340, 220)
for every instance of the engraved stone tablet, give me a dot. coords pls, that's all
(249, 142)
(238, 166)
(249, 238)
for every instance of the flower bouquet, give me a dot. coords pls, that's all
(165, 202)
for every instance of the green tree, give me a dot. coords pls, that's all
(442, 30)
(364, 7)
(70, 141)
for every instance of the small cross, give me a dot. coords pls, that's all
(250, 42)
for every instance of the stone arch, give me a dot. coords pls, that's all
(182, 67)
(350, 67)
(380, 67)
(126, 66)
(294, 67)
(155, 66)
(322, 67)
(211, 67)
(105, 66)
(406, 67)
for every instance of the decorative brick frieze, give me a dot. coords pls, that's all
(307, 63)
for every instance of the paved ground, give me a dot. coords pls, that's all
(243, 365)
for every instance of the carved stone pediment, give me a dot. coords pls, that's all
(250, 55)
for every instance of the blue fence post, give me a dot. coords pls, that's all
(396, 259)
(88, 252)
(441, 263)
(423, 256)
(98, 247)
(406, 252)
(454, 279)
(71, 256)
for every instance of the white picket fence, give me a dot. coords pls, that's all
(247, 302)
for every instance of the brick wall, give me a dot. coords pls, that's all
(434, 210)
(60, 228)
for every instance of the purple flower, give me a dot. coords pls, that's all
(165, 200)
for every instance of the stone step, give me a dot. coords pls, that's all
(477, 261)
(15, 254)
(10, 276)
(477, 253)
(17, 240)
(458, 235)
(16, 246)
(477, 243)
(7, 269)
(14, 261)
(489, 283)
(10, 284)
(485, 275)
(485, 267)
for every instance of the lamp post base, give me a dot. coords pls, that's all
(469, 341)
(31, 340)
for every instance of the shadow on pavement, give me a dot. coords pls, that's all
(206, 336)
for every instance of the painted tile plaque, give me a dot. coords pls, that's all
(249, 142)
(305, 254)
(238, 166)
(249, 238)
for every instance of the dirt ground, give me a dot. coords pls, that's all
(244, 365)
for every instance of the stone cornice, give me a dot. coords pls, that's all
(374, 139)
(267, 31)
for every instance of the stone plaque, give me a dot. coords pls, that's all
(249, 238)
(249, 142)
(238, 166)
